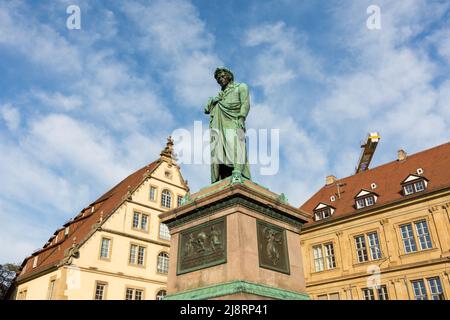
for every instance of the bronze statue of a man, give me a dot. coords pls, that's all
(228, 111)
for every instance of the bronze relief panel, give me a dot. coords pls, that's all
(202, 246)
(272, 247)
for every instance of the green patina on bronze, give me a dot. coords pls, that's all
(272, 247)
(236, 287)
(202, 246)
(230, 202)
(228, 111)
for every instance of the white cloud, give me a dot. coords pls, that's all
(390, 88)
(58, 100)
(172, 33)
(283, 57)
(11, 116)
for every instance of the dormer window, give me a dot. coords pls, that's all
(323, 211)
(365, 202)
(414, 184)
(365, 198)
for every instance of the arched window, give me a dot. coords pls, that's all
(161, 294)
(166, 199)
(163, 263)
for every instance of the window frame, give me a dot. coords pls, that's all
(324, 213)
(160, 229)
(158, 291)
(150, 193)
(440, 294)
(51, 288)
(105, 289)
(140, 214)
(365, 202)
(325, 258)
(170, 194)
(179, 200)
(158, 261)
(411, 187)
(134, 290)
(109, 249)
(135, 262)
(415, 236)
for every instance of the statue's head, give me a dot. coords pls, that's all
(223, 76)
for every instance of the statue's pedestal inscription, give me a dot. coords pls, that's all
(235, 240)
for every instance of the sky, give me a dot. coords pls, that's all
(80, 109)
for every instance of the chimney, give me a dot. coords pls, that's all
(330, 180)
(401, 155)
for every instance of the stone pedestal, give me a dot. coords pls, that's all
(235, 240)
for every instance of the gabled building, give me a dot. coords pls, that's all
(116, 248)
(382, 233)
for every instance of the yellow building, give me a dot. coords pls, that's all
(382, 233)
(114, 249)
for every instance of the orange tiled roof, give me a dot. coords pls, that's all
(81, 227)
(435, 163)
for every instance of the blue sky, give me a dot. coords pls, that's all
(81, 109)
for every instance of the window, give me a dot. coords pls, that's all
(366, 201)
(35, 261)
(421, 235)
(409, 243)
(166, 199)
(66, 232)
(361, 250)
(163, 263)
(144, 222)
(140, 221)
(164, 232)
(105, 248)
(134, 294)
(330, 296)
(324, 253)
(136, 220)
(180, 200)
(365, 244)
(161, 294)
(51, 287)
(374, 246)
(137, 255)
(318, 258)
(152, 193)
(420, 293)
(100, 291)
(368, 294)
(329, 256)
(334, 296)
(436, 289)
(381, 293)
(322, 213)
(413, 187)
